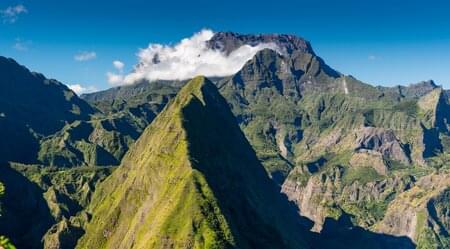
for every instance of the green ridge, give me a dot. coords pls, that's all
(190, 181)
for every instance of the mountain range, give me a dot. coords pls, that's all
(285, 153)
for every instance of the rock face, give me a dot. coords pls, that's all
(229, 41)
(382, 141)
(421, 213)
(332, 193)
(191, 180)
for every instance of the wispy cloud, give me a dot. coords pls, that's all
(85, 56)
(11, 14)
(187, 59)
(115, 79)
(372, 57)
(21, 45)
(118, 65)
(79, 89)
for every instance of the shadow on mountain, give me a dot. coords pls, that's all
(341, 233)
(25, 214)
(258, 215)
(250, 201)
(18, 144)
(431, 142)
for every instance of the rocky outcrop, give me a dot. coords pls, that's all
(383, 141)
(411, 91)
(330, 194)
(229, 41)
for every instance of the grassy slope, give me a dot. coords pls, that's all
(167, 194)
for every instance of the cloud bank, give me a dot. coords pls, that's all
(85, 56)
(12, 13)
(186, 59)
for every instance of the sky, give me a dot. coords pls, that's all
(86, 44)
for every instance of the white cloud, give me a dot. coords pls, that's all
(85, 56)
(115, 79)
(12, 13)
(372, 57)
(187, 59)
(21, 45)
(118, 65)
(79, 89)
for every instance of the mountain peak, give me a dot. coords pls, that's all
(191, 181)
(230, 41)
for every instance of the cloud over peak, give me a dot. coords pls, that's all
(12, 13)
(85, 56)
(187, 59)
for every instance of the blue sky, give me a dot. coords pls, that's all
(379, 42)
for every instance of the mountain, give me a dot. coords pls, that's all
(191, 180)
(367, 165)
(277, 82)
(322, 135)
(43, 122)
(416, 90)
(32, 107)
(42, 206)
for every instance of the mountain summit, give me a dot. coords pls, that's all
(191, 181)
(230, 41)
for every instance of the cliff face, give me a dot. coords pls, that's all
(421, 213)
(360, 192)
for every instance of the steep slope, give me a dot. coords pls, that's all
(31, 107)
(44, 122)
(191, 180)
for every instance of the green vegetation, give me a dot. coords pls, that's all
(5, 243)
(366, 213)
(50, 210)
(187, 189)
(363, 175)
(305, 122)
